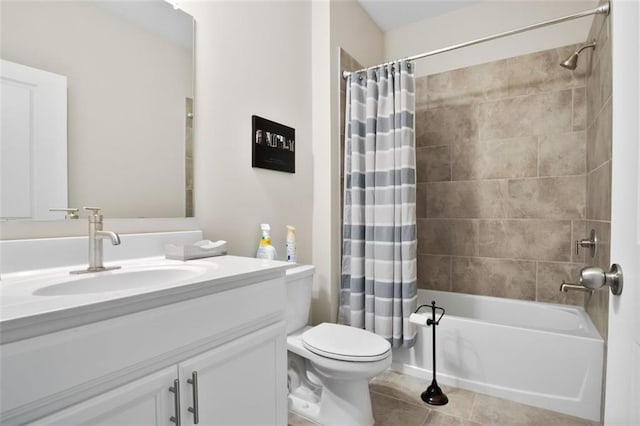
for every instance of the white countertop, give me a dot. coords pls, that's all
(27, 310)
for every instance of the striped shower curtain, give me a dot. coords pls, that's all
(378, 287)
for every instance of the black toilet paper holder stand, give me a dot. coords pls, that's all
(433, 395)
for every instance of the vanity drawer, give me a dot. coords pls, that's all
(45, 373)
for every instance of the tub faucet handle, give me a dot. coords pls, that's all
(591, 243)
(595, 278)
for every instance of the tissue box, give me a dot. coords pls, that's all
(197, 250)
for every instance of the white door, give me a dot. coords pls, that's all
(240, 383)
(33, 145)
(622, 405)
(144, 402)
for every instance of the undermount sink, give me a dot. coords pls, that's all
(123, 279)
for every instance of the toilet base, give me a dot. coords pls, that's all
(350, 406)
(327, 400)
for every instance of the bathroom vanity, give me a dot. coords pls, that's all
(205, 344)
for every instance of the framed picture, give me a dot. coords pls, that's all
(273, 145)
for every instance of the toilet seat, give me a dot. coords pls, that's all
(345, 343)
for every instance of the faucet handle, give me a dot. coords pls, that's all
(95, 216)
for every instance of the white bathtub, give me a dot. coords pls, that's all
(540, 354)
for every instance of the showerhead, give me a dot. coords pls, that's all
(572, 61)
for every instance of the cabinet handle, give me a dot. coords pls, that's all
(193, 381)
(176, 401)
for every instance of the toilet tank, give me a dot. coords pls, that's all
(299, 283)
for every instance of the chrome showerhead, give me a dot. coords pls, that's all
(572, 61)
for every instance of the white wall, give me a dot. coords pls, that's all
(126, 91)
(252, 58)
(483, 19)
(335, 25)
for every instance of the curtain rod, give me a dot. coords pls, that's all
(600, 10)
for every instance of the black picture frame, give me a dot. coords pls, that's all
(272, 145)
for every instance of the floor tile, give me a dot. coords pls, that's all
(437, 418)
(495, 411)
(409, 388)
(389, 411)
(296, 420)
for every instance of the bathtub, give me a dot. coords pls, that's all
(540, 354)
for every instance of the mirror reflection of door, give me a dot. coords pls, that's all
(33, 146)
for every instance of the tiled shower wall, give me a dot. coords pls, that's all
(599, 133)
(514, 165)
(501, 169)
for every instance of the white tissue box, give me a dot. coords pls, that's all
(204, 248)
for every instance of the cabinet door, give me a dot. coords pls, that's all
(146, 401)
(240, 383)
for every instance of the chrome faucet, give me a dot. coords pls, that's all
(96, 235)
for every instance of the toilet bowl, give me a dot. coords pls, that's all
(330, 365)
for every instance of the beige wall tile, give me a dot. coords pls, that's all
(515, 279)
(599, 193)
(434, 272)
(432, 163)
(525, 239)
(538, 114)
(562, 154)
(451, 123)
(599, 138)
(421, 200)
(579, 108)
(421, 127)
(547, 198)
(468, 85)
(549, 278)
(539, 72)
(421, 92)
(606, 79)
(447, 236)
(467, 199)
(495, 158)
(597, 305)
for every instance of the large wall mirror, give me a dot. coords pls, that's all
(124, 72)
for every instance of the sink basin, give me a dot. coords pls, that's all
(123, 279)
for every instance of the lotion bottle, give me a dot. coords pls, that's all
(291, 244)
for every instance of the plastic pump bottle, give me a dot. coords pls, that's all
(265, 249)
(291, 244)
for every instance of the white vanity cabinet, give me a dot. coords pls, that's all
(239, 383)
(118, 371)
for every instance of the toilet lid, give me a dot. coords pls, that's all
(345, 343)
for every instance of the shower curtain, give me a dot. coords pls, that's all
(378, 286)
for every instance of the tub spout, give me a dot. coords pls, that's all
(565, 286)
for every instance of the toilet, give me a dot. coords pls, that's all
(329, 365)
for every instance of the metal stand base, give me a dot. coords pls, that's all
(434, 395)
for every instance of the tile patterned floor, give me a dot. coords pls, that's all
(396, 402)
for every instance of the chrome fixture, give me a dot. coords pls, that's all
(600, 10)
(596, 278)
(96, 235)
(72, 213)
(572, 61)
(193, 381)
(175, 389)
(565, 286)
(591, 243)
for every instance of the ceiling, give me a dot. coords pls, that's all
(390, 14)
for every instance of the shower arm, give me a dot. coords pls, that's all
(600, 10)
